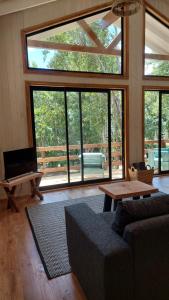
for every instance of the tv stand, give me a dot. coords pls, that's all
(10, 186)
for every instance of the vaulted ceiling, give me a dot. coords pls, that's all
(11, 6)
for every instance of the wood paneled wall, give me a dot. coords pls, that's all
(13, 120)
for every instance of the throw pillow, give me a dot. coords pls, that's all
(129, 211)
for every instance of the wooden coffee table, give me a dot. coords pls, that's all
(120, 190)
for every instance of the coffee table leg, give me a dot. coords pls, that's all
(136, 197)
(107, 203)
(146, 196)
(115, 203)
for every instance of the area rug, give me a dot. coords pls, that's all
(48, 226)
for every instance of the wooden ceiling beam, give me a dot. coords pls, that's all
(91, 34)
(75, 48)
(161, 41)
(156, 56)
(115, 42)
(156, 48)
(108, 19)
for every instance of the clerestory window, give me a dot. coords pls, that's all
(93, 43)
(156, 46)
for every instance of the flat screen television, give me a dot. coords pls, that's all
(19, 162)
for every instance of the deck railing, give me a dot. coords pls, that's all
(60, 157)
(152, 143)
(44, 157)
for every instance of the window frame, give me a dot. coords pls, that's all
(30, 85)
(66, 20)
(149, 88)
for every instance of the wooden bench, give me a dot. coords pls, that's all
(10, 186)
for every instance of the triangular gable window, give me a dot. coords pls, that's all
(89, 44)
(156, 46)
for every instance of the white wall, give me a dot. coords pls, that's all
(13, 120)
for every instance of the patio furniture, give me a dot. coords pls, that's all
(93, 163)
(93, 159)
(153, 158)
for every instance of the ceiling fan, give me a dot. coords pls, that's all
(124, 8)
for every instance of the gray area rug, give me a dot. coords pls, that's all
(48, 226)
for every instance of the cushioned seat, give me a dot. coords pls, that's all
(108, 217)
(131, 211)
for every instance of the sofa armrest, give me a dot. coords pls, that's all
(98, 256)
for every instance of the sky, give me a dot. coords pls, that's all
(36, 55)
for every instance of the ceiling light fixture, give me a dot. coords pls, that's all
(125, 8)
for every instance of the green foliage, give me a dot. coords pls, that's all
(161, 69)
(84, 62)
(151, 108)
(151, 116)
(157, 67)
(50, 116)
(73, 37)
(116, 116)
(165, 116)
(49, 106)
(151, 113)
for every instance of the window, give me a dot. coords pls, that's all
(156, 47)
(92, 44)
(79, 134)
(156, 130)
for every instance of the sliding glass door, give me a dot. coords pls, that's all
(95, 132)
(74, 135)
(164, 132)
(117, 134)
(78, 134)
(156, 130)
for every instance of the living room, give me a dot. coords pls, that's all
(137, 45)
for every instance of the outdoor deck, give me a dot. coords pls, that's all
(52, 161)
(55, 178)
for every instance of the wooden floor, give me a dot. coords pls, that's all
(21, 272)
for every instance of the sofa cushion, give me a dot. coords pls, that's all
(108, 217)
(129, 211)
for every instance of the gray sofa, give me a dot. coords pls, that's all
(132, 265)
